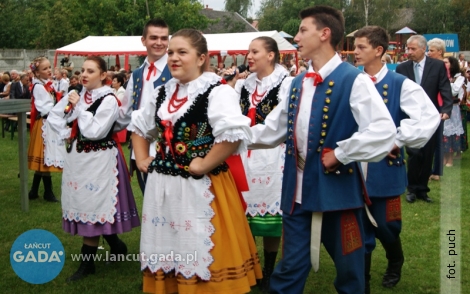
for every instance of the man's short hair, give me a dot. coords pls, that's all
(375, 35)
(439, 44)
(326, 16)
(155, 22)
(421, 40)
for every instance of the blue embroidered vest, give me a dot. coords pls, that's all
(269, 102)
(388, 177)
(138, 77)
(192, 137)
(331, 120)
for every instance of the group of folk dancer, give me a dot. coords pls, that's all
(313, 159)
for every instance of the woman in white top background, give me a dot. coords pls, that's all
(119, 91)
(453, 127)
(46, 151)
(259, 94)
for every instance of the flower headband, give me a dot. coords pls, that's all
(33, 66)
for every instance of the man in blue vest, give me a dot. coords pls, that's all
(334, 117)
(152, 74)
(416, 120)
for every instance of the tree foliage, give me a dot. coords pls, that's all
(239, 6)
(40, 24)
(428, 16)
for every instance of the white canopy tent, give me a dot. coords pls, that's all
(218, 44)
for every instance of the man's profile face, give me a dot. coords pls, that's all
(364, 53)
(308, 37)
(25, 80)
(415, 52)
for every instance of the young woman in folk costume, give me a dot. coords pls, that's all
(259, 95)
(96, 194)
(195, 237)
(46, 151)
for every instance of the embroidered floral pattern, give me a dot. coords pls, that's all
(192, 137)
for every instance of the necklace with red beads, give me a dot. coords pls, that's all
(88, 98)
(176, 103)
(256, 98)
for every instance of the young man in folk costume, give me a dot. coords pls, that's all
(144, 80)
(416, 120)
(333, 117)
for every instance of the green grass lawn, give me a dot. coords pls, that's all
(421, 237)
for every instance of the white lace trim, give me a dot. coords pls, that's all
(100, 92)
(204, 245)
(271, 81)
(133, 129)
(234, 135)
(108, 217)
(263, 208)
(196, 87)
(48, 160)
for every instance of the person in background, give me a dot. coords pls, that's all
(142, 83)
(431, 75)
(60, 85)
(46, 150)
(116, 85)
(97, 198)
(401, 59)
(436, 50)
(416, 120)
(5, 94)
(453, 128)
(259, 94)
(75, 84)
(67, 64)
(463, 64)
(21, 89)
(386, 59)
(15, 77)
(65, 75)
(302, 67)
(293, 68)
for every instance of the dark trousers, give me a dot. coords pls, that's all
(291, 272)
(437, 168)
(419, 166)
(387, 213)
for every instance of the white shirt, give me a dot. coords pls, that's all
(43, 100)
(372, 142)
(93, 127)
(267, 83)
(456, 86)
(147, 95)
(223, 110)
(423, 120)
(61, 85)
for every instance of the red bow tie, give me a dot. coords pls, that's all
(153, 69)
(317, 79)
(374, 79)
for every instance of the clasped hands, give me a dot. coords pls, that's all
(196, 167)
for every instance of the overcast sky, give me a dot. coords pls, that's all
(220, 5)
